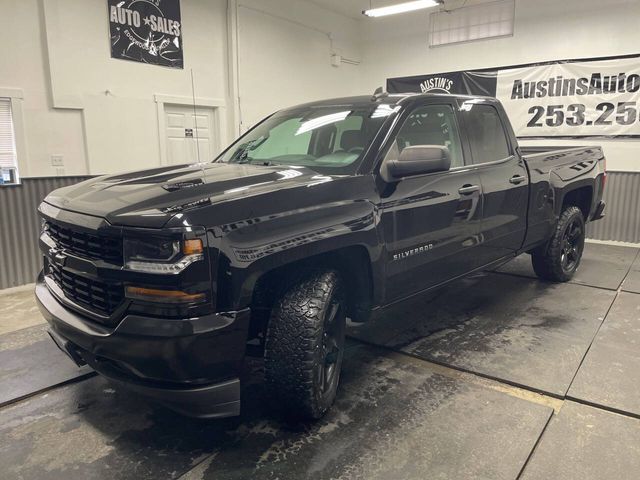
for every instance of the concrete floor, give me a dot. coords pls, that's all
(20, 310)
(498, 376)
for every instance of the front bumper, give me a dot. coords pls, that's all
(190, 365)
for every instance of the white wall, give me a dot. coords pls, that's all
(100, 114)
(116, 96)
(544, 30)
(23, 65)
(285, 52)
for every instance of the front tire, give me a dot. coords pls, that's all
(304, 346)
(560, 259)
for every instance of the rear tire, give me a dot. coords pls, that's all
(560, 259)
(304, 346)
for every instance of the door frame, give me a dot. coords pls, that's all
(219, 118)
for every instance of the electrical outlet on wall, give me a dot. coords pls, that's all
(57, 160)
(60, 171)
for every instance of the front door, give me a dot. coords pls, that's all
(190, 134)
(430, 222)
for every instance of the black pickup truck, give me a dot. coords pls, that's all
(164, 279)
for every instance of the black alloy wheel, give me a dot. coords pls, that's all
(560, 257)
(572, 245)
(331, 351)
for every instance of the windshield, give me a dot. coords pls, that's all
(329, 139)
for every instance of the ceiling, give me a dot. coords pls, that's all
(354, 8)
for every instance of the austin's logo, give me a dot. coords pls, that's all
(437, 85)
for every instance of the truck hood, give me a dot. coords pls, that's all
(150, 198)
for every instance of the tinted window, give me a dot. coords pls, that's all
(432, 125)
(283, 140)
(486, 134)
(329, 139)
(349, 135)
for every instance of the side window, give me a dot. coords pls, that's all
(487, 137)
(432, 125)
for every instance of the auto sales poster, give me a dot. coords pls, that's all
(567, 99)
(146, 31)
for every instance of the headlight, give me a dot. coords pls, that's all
(161, 255)
(151, 250)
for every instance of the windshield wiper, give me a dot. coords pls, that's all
(242, 154)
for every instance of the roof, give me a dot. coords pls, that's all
(386, 98)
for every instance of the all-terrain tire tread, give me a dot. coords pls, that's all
(293, 336)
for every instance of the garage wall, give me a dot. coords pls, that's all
(20, 259)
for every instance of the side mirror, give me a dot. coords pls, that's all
(418, 160)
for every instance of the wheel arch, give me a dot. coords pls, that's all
(581, 196)
(353, 263)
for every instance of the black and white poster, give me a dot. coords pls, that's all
(566, 99)
(146, 31)
(459, 83)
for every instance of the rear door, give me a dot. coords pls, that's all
(503, 176)
(430, 222)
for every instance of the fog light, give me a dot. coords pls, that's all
(163, 296)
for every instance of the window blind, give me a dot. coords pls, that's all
(477, 22)
(7, 136)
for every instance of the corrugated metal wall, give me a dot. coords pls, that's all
(19, 224)
(20, 227)
(622, 220)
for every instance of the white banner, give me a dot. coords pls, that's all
(590, 98)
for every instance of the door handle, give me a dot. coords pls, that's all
(468, 189)
(517, 179)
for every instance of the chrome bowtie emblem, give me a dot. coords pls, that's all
(57, 257)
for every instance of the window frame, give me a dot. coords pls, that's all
(509, 139)
(16, 97)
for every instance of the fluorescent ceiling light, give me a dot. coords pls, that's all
(400, 8)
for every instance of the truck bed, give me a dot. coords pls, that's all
(554, 171)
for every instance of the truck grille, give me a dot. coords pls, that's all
(86, 245)
(97, 296)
